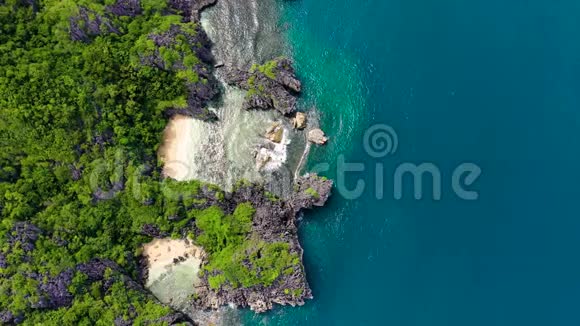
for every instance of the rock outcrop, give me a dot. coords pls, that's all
(203, 86)
(311, 190)
(274, 221)
(195, 7)
(275, 132)
(89, 24)
(129, 8)
(299, 121)
(317, 136)
(199, 5)
(272, 85)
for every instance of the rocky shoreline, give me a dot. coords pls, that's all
(271, 86)
(274, 221)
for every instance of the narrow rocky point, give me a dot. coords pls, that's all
(271, 86)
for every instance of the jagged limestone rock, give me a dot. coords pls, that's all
(271, 86)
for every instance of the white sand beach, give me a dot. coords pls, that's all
(224, 151)
(177, 148)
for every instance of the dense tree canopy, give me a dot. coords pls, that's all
(80, 121)
(84, 86)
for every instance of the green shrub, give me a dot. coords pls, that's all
(266, 261)
(227, 239)
(313, 193)
(271, 197)
(268, 68)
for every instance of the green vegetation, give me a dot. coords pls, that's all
(271, 197)
(242, 183)
(313, 193)
(294, 292)
(91, 305)
(266, 261)
(268, 68)
(220, 196)
(238, 258)
(254, 87)
(80, 124)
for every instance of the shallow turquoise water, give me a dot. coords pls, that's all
(491, 82)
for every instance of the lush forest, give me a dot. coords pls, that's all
(81, 113)
(85, 91)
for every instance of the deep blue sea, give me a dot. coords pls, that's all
(495, 83)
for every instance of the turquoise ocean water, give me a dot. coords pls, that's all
(494, 82)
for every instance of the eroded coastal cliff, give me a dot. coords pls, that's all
(87, 88)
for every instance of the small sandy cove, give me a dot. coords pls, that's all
(161, 255)
(175, 151)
